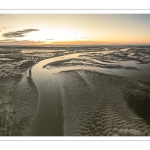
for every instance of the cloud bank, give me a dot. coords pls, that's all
(20, 33)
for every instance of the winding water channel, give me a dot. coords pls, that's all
(49, 119)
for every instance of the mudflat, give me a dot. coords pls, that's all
(51, 91)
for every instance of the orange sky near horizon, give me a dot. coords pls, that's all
(74, 29)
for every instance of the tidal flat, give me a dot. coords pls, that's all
(75, 91)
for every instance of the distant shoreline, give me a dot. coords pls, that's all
(51, 46)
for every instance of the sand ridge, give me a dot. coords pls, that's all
(96, 104)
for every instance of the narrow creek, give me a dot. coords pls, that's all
(49, 119)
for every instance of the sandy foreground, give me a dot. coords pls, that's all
(93, 103)
(101, 104)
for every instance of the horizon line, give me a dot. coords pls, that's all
(42, 45)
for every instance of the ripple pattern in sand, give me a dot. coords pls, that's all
(99, 104)
(18, 104)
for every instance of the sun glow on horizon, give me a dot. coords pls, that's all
(79, 29)
(54, 34)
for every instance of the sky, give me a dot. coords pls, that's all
(74, 29)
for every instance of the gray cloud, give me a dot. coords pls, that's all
(20, 33)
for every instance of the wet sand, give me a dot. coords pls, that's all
(93, 103)
(18, 104)
(18, 94)
(96, 104)
(101, 91)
